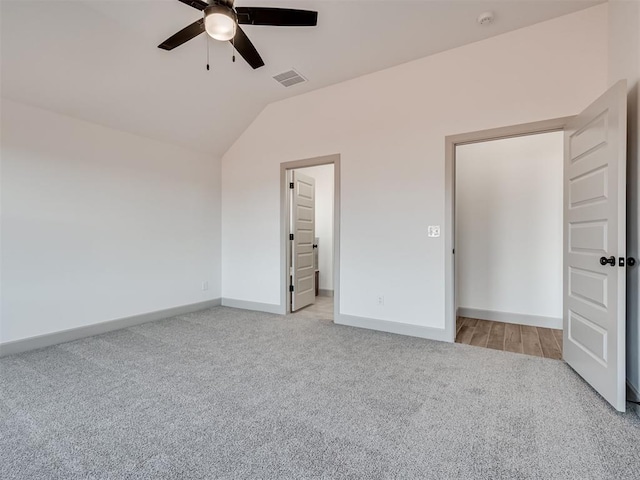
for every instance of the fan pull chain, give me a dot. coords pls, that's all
(206, 39)
(233, 49)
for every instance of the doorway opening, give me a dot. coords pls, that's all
(310, 219)
(508, 244)
(469, 144)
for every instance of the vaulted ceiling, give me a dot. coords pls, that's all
(98, 59)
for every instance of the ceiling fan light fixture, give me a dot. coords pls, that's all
(220, 22)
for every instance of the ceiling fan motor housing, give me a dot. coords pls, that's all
(226, 3)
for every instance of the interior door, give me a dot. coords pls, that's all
(303, 278)
(595, 244)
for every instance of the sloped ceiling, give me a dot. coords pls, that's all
(97, 59)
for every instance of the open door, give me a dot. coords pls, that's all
(595, 244)
(303, 280)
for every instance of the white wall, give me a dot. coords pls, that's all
(389, 128)
(509, 226)
(624, 62)
(323, 175)
(99, 224)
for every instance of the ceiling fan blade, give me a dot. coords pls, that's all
(183, 36)
(281, 17)
(245, 48)
(197, 4)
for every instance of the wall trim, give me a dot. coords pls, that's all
(430, 333)
(64, 336)
(507, 317)
(325, 293)
(253, 306)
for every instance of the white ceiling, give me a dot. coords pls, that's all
(97, 59)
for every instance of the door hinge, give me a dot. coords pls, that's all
(291, 288)
(291, 185)
(454, 251)
(291, 236)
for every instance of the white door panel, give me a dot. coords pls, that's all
(595, 229)
(304, 231)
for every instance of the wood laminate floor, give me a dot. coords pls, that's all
(538, 341)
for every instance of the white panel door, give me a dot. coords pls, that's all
(303, 278)
(595, 244)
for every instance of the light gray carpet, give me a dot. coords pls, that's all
(226, 393)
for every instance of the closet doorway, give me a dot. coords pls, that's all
(508, 244)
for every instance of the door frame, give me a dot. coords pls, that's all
(285, 245)
(451, 142)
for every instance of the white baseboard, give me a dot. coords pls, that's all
(55, 338)
(254, 306)
(506, 317)
(325, 293)
(393, 327)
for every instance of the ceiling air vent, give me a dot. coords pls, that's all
(289, 78)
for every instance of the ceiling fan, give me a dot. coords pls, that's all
(222, 22)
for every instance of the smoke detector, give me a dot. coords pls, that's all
(485, 18)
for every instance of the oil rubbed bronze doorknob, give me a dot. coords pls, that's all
(611, 261)
(631, 261)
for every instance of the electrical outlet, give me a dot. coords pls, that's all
(205, 285)
(380, 300)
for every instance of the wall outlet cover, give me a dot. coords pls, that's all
(433, 231)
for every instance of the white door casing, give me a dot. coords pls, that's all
(304, 231)
(595, 229)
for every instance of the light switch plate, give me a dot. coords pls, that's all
(434, 231)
